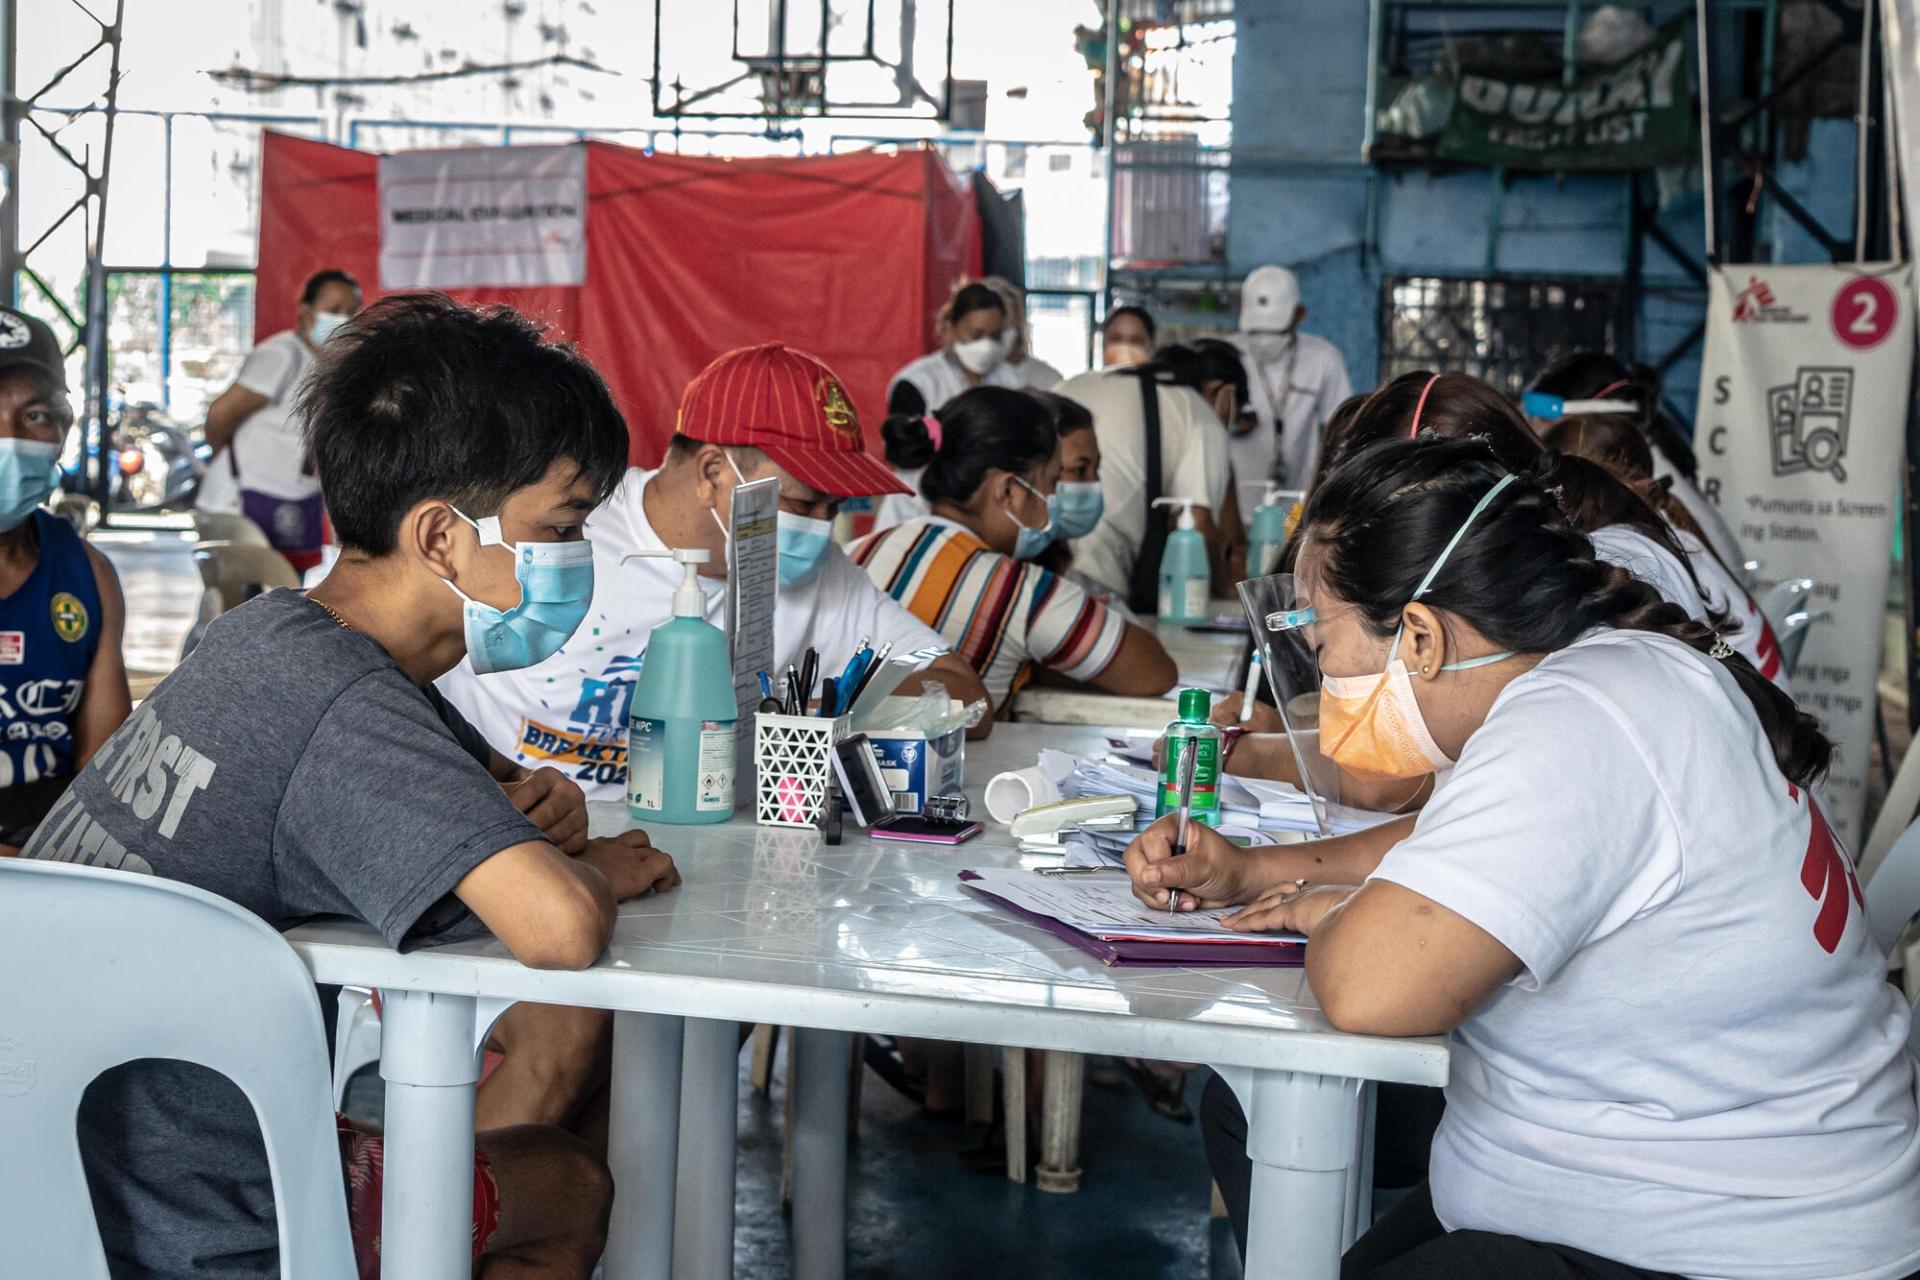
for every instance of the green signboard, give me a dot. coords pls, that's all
(1637, 115)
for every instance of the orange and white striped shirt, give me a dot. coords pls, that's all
(1001, 614)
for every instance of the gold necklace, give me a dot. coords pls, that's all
(331, 613)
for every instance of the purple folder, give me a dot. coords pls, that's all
(1153, 952)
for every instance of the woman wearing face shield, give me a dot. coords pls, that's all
(990, 470)
(1675, 1051)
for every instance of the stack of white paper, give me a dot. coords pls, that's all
(1249, 807)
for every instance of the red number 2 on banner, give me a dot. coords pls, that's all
(1828, 878)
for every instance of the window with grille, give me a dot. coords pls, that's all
(1502, 330)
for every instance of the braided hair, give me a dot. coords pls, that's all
(1523, 574)
(1458, 406)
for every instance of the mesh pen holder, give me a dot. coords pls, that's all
(793, 767)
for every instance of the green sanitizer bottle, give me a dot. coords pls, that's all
(1267, 535)
(1183, 568)
(1192, 726)
(680, 738)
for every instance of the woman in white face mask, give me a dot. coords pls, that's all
(972, 353)
(973, 328)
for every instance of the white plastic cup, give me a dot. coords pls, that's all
(1011, 793)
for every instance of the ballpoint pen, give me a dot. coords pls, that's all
(809, 670)
(1253, 687)
(1189, 756)
(856, 666)
(866, 677)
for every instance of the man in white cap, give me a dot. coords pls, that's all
(1295, 382)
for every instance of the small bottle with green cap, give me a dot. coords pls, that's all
(1207, 741)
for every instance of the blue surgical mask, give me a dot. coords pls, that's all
(803, 541)
(1029, 543)
(29, 470)
(1077, 506)
(324, 324)
(556, 588)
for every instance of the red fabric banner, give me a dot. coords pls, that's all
(846, 257)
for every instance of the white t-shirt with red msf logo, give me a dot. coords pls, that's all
(1701, 1068)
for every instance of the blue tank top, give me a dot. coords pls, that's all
(49, 632)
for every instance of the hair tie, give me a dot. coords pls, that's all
(1721, 649)
(1421, 405)
(932, 424)
(1612, 387)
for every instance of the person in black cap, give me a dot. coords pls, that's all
(63, 679)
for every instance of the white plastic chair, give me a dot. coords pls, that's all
(1791, 632)
(104, 967)
(221, 526)
(231, 570)
(356, 1039)
(1892, 893)
(1786, 598)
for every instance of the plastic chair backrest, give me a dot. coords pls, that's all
(1791, 632)
(103, 967)
(232, 570)
(221, 526)
(1892, 890)
(1785, 598)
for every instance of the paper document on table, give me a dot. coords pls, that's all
(1104, 906)
(1244, 802)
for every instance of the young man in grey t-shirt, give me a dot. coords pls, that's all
(300, 764)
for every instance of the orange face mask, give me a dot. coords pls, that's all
(1371, 726)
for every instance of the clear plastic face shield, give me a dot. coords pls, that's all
(1282, 623)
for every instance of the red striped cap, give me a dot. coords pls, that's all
(791, 407)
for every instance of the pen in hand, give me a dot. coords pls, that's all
(1189, 756)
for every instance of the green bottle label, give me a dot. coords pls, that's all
(1206, 779)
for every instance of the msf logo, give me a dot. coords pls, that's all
(1752, 301)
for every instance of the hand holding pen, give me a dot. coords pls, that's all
(1189, 757)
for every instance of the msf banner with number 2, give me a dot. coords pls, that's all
(1802, 422)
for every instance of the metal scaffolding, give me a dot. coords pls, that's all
(18, 110)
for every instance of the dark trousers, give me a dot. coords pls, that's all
(1409, 1241)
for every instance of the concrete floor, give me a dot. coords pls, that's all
(155, 564)
(923, 1202)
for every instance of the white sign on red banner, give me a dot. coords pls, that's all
(476, 217)
(1800, 433)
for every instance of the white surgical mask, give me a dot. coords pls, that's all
(981, 356)
(324, 324)
(1267, 347)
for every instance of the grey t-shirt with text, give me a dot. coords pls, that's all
(288, 765)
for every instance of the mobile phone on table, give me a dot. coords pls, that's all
(909, 826)
(869, 799)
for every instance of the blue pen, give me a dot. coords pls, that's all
(766, 686)
(851, 675)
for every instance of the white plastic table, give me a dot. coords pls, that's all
(1212, 660)
(773, 925)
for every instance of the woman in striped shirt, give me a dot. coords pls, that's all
(992, 459)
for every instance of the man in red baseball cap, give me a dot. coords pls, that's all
(753, 413)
